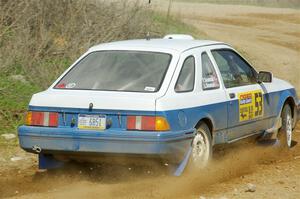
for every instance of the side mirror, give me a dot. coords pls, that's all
(264, 76)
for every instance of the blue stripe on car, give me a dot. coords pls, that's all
(117, 140)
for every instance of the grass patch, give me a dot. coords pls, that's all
(16, 89)
(14, 98)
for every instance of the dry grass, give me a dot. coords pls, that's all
(39, 38)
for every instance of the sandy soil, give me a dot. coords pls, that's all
(270, 39)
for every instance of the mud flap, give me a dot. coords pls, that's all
(270, 136)
(268, 139)
(180, 168)
(49, 162)
(269, 142)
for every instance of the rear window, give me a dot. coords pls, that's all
(134, 71)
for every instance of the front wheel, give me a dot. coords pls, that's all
(201, 147)
(286, 131)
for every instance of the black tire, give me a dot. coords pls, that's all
(201, 148)
(285, 133)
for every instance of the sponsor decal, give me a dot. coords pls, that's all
(149, 88)
(71, 85)
(250, 105)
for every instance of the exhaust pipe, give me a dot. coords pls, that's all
(37, 149)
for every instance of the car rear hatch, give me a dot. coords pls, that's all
(91, 110)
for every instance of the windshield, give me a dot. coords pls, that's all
(135, 71)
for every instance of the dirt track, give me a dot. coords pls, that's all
(270, 38)
(275, 174)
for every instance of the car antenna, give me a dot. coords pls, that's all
(148, 33)
(148, 36)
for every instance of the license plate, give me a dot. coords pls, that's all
(92, 122)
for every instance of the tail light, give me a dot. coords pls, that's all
(147, 123)
(35, 118)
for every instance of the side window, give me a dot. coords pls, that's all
(234, 69)
(186, 78)
(209, 75)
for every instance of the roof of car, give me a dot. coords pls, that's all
(174, 44)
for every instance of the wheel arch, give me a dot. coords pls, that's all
(286, 97)
(208, 122)
(291, 102)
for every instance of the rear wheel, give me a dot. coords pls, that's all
(201, 147)
(286, 131)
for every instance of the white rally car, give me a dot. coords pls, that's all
(172, 98)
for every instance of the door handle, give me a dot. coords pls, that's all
(232, 95)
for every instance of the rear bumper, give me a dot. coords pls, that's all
(63, 140)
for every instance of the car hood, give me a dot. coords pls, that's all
(108, 100)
